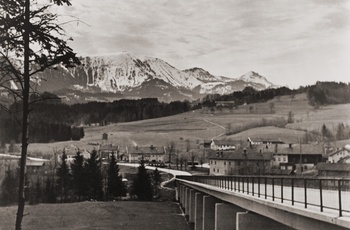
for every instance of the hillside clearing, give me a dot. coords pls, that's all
(204, 125)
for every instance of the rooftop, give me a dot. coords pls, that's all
(146, 149)
(333, 167)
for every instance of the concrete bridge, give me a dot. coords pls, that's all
(245, 203)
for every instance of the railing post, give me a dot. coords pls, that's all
(321, 200)
(282, 190)
(253, 186)
(235, 180)
(305, 193)
(231, 183)
(258, 186)
(248, 185)
(265, 188)
(243, 184)
(292, 191)
(273, 189)
(239, 184)
(339, 194)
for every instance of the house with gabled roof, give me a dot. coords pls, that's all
(334, 170)
(244, 161)
(224, 145)
(337, 155)
(147, 154)
(288, 156)
(265, 140)
(106, 151)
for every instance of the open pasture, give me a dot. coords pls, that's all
(122, 215)
(203, 124)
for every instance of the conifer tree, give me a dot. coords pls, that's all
(115, 186)
(63, 178)
(9, 188)
(94, 177)
(142, 185)
(49, 191)
(78, 176)
(156, 180)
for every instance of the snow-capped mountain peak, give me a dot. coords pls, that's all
(128, 73)
(254, 77)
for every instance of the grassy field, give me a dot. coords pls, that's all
(123, 215)
(204, 125)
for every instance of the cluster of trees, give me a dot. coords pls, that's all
(56, 121)
(277, 122)
(249, 95)
(341, 132)
(88, 179)
(145, 186)
(326, 134)
(81, 180)
(112, 112)
(39, 131)
(323, 93)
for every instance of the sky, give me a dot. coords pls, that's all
(291, 43)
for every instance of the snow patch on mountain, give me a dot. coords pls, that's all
(253, 77)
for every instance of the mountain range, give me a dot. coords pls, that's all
(127, 75)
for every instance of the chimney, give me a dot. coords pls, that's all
(245, 151)
(290, 146)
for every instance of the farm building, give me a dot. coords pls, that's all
(259, 141)
(225, 104)
(223, 145)
(334, 170)
(338, 155)
(146, 153)
(105, 151)
(244, 161)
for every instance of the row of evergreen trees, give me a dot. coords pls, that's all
(39, 131)
(83, 179)
(88, 179)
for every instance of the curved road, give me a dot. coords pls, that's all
(170, 171)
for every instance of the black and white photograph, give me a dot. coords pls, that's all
(175, 114)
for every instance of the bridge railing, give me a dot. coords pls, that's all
(324, 193)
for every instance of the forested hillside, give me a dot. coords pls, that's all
(56, 121)
(325, 93)
(51, 120)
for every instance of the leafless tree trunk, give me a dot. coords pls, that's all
(25, 111)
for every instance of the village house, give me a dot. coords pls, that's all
(105, 151)
(223, 145)
(334, 170)
(339, 155)
(206, 144)
(259, 158)
(71, 152)
(225, 104)
(259, 141)
(289, 156)
(9, 161)
(147, 154)
(243, 161)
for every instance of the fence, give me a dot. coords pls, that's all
(325, 193)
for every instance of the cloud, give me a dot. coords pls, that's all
(226, 37)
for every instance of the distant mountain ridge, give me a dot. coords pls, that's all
(139, 76)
